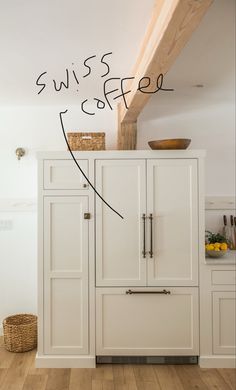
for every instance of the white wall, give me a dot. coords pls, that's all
(39, 128)
(18, 265)
(211, 128)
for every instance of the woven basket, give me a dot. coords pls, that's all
(20, 332)
(86, 141)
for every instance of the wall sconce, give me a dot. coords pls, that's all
(20, 152)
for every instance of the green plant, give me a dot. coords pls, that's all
(215, 237)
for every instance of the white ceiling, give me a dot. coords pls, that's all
(207, 59)
(49, 35)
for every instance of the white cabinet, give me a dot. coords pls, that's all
(66, 308)
(172, 199)
(119, 242)
(158, 199)
(149, 321)
(155, 245)
(218, 313)
(65, 275)
(224, 322)
(144, 300)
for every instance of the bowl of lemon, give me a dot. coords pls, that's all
(216, 245)
(218, 249)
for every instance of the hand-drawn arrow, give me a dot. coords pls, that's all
(96, 192)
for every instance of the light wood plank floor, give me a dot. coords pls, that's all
(17, 372)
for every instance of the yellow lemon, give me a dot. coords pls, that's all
(210, 247)
(224, 246)
(217, 244)
(217, 249)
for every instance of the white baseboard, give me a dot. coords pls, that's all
(223, 361)
(60, 361)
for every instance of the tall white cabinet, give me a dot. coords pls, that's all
(112, 286)
(66, 282)
(66, 274)
(155, 245)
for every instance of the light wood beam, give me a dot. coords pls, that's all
(127, 133)
(171, 25)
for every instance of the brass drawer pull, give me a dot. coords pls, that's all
(144, 236)
(165, 292)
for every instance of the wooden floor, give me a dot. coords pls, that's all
(17, 372)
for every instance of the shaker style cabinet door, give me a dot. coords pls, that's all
(119, 242)
(224, 322)
(172, 204)
(64, 175)
(65, 275)
(145, 321)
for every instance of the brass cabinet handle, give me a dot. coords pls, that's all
(165, 292)
(144, 236)
(151, 235)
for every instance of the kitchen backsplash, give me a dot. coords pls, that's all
(216, 207)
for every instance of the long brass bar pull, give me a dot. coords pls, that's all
(151, 235)
(165, 292)
(144, 236)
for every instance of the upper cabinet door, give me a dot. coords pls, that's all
(172, 199)
(119, 242)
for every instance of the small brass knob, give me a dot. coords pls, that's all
(85, 185)
(20, 152)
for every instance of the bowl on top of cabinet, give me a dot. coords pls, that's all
(175, 143)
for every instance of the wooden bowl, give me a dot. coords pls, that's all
(175, 143)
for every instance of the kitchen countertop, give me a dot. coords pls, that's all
(229, 258)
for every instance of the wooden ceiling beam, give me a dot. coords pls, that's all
(171, 25)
